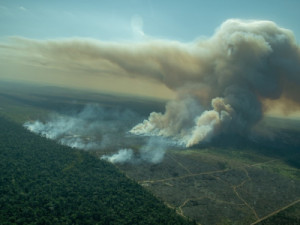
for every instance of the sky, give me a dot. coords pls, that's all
(117, 20)
(131, 21)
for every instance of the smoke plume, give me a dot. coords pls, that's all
(221, 82)
(241, 65)
(123, 155)
(90, 128)
(152, 151)
(97, 128)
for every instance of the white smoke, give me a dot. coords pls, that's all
(242, 64)
(152, 152)
(122, 156)
(179, 126)
(93, 127)
(210, 122)
(66, 130)
(222, 83)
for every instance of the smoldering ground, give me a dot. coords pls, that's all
(91, 127)
(152, 151)
(221, 83)
(94, 127)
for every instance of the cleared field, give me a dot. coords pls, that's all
(214, 188)
(231, 181)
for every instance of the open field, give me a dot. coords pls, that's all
(206, 185)
(234, 182)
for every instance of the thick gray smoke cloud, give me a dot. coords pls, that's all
(242, 64)
(222, 83)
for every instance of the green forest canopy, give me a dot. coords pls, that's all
(43, 182)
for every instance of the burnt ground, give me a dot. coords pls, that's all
(230, 181)
(220, 186)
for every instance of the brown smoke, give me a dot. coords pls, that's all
(221, 83)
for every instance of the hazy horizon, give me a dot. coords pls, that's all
(196, 103)
(157, 50)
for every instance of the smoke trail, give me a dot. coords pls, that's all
(93, 127)
(222, 83)
(245, 62)
(151, 152)
(96, 128)
(123, 155)
(154, 150)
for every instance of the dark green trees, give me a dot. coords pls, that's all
(42, 182)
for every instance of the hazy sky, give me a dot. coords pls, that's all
(118, 20)
(111, 22)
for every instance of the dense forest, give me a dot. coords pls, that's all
(42, 182)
